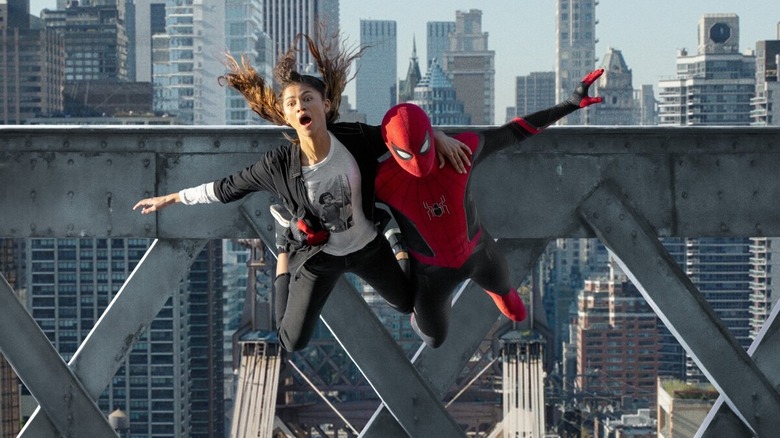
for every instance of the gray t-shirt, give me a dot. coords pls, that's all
(333, 187)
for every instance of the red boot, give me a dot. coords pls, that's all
(509, 304)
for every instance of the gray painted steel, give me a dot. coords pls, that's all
(70, 411)
(683, 309)
(127, 317)
(687, 182)
(473, 315)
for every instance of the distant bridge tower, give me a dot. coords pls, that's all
(256, 355)
(523, 384)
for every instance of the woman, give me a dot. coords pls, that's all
(325, 157)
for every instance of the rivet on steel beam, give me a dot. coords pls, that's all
(608, 229)
(717, 163)
(258, 213)
(28, 143)
(103, 144)
(147, 162)
(755, 193)
(65, 143)
(216, 143)
(759, 229)
(724, 227)
(633, 233)
(70, 194)
(141, 144)
(269, 228)
(255, 143)
(33, 195)
(596, 215)
(33, 162)
(179, 143)
(70, 162)
(621, 216)
(684, 195)
(109, 162)
(148, 228)
(32, 227)
(720, 194)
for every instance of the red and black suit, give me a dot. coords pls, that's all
(436, 211)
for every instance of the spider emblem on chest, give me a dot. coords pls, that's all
(436, 209)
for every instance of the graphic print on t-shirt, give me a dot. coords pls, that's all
(333, 201)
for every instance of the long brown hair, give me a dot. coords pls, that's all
(333, 61)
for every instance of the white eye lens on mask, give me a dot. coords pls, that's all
(402, 154)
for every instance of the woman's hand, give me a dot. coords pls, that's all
(448, 148)
(156, 203)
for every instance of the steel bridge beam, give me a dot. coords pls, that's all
(686, 182)
(683, 309)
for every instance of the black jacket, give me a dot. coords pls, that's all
(279, 171)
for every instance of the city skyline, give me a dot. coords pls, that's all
(523, 46)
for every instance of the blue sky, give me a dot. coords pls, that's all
(522, 32)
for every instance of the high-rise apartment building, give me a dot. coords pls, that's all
(575, 29)
(764, 271)
(715, 86)
(766, 103)
(32, 62)
(438, 40)
(173, 373)
(617, 342)
(470, 65)
(375, 83)
(534, 92)
(188, 59)
(246, 39)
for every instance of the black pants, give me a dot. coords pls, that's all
(434, 285)
(298, 309)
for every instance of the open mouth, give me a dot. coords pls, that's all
(304, 120)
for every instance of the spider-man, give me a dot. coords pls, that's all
(437, 215)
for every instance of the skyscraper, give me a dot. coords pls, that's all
(188, 59)
(615, 86)
(283, 20)
(766, 103)
(617, 342)
(245, 38)
(764, 260)
(438, 40)
(436, 95)
(534, 92)
(375, 82)
(715, 86)
(95, 39)
(149, 20)
(470, 65)
(173, 372)
(33, 66)
(413, 76)
(575, 29)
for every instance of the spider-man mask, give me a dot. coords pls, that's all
(408, 133)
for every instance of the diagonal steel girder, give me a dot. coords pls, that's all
(682, 308)
(415, 407)
(129, 314)
(765, 351)
(70, 411)
(473, 314)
